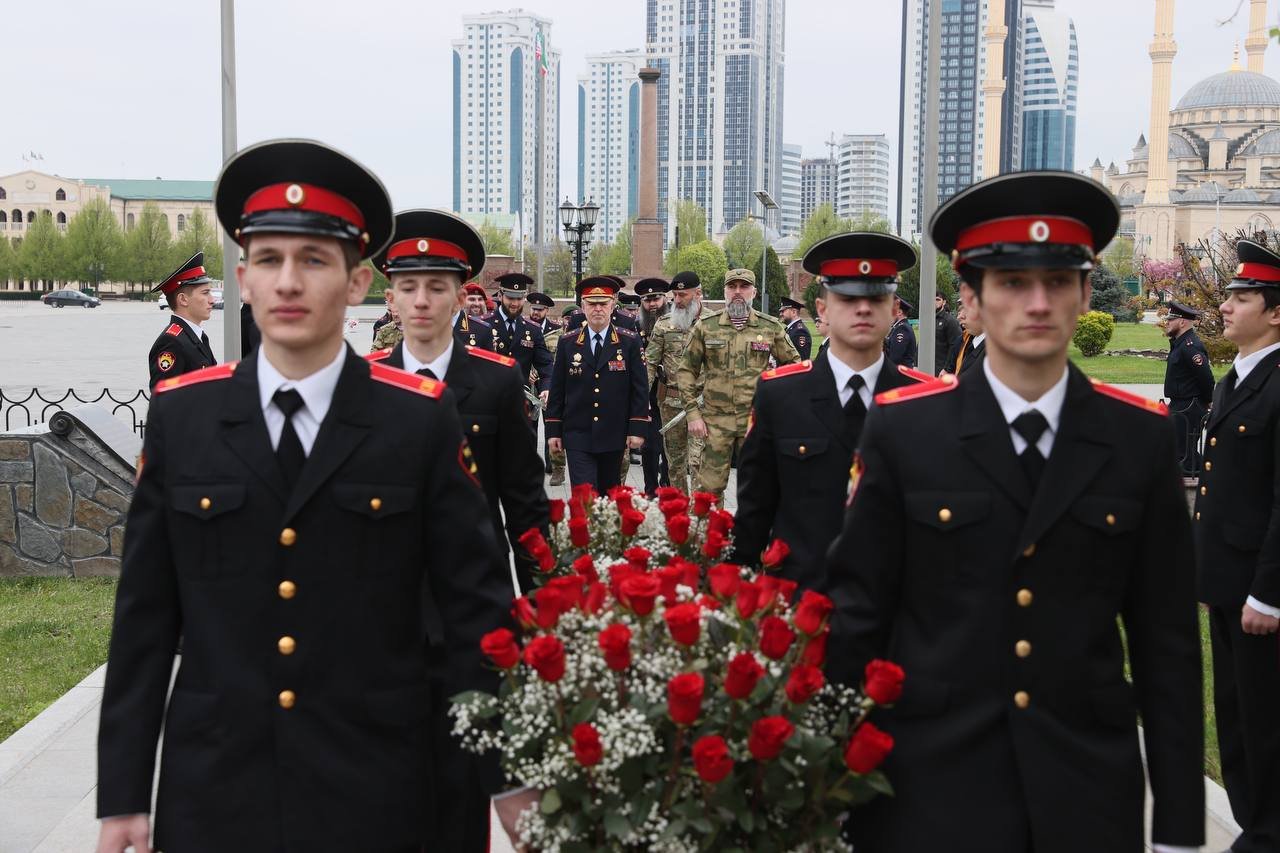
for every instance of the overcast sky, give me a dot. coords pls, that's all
(130, 88)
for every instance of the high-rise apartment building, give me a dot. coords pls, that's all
(817, 185)
(609, 138)
(789, 200)
(719, 104)
(862, 176)
(962, 134)
(506, 120)
(1050, 80)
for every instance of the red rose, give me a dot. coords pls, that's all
(775, 637)
(720, 521)
(690, 573)
(619, 572)
(815, 651)
(546, 655)
(786, 589)
(522, 611)
(768, 736)
(684, 698)
(708, 602)
(551, 604)
(666, 493)
(812, 612)
(678, 528)
(702, 503)
(711, 759)
(579, 535)
(586, 745)
(867, 748)
(538, 549)
(638, 558)
(683, 621)
(621, 496)
(585, 493)
(556, 508)
(715, 544)
(570, 589)
(594, 599)
(774, 589)
(500, 646)
(747, 599)
(674, 506)
(576, 509)
(639, 593)
(631, 521)
(804, 683)
(615, 642)
(586, 567)
(775, 554)
(883, 682)
(725, 579)
(669, 577)
(742, 675)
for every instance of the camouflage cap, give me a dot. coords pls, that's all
(740, 275)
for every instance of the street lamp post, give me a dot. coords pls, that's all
(578, 224)
(769, 204)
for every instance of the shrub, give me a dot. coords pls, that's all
(1093, 333)
(1220, 350)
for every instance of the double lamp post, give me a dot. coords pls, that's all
(578, 224)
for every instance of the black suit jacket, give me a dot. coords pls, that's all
(800, 339)
(596, 401)
(396, 576)
(178, 350)
(1237, 518)
(981, 591)
(793, 470)
(528, 346)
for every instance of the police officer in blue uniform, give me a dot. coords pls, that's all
(1188, 383)
(900, 343)
(789, 314)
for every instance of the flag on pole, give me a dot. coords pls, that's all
(540, 53)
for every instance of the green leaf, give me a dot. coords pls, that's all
(583, 711)
(879, 783)
(701, 824)
(616, 825)
(551, 801)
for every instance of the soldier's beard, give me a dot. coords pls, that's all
(649, 317)
(684, 318)
(738, 309)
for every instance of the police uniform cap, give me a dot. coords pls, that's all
(1057, 220)
(597, 288)
(907, 307)
(188, 275)
(1259, 267)
(1186, 312)
(740, 275)
(861, 263)
(540, 298)
(788, 302)
(647, 286)
(628, 298)
(432, 241)
(687, 280)
(300, 186)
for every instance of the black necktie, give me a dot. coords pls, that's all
(855, 410)
(428, 372)
(289, 451)
(596, 343)
(1031, 425)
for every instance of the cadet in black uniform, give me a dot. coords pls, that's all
(900, 343)
(793, 472)
(307, 522)
(539, 306)
(599, 403)
(789, 314)
(1237, 526)
(183, 346)
(1188, 383)
(991, 559)
(947, 338)
(516, 335)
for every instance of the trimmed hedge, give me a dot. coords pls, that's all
(1093, 333)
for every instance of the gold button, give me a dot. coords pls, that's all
(205, 503)
(1111, 520)
(597, 390)
(1204, 490)
(1030, 550)
(1197, 516)
(595, 418)
(375, 504)
(944, 515)
(803, 450)
(286, 645)
(1208, 466)
(475, 427)
(287, 699)
(1022, 698)
(287, 590)
(1241, 428)
(288, 536)
(1022, 649)
(1213, 442)
(1024, 598)
(595, 405)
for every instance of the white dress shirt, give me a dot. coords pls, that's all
(591, 337)
(193, 326)
(1243, 367)
(843, 373)
(439, 367)
(1012, 405)
(977, 342)
(317, 393)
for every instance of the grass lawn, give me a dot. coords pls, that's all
(1212, 761)
(53, 632)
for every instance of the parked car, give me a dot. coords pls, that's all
(59, 298)
(216, 293)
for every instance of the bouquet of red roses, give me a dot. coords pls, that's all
(662, 699)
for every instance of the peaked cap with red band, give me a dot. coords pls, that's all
(863, 263)
(597, 287)
(432, 240)
(190, 273)
(1057, 220)
(298, 186)
(1259, 267)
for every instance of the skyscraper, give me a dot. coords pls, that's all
(789, 200)
(609, 138)
(817, 185)
(962, 134)
(506, 120)
(1050, 78)
(719, 103)
(862, 176)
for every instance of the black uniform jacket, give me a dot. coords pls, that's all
(793, 470)
(528, 346)
(947, 339)
(377, 571)
(178, 350)
(800, 339)
(1238, 510)
(1001, 607)
(1187, 373)
(491, 406)
(900, 344)
(472, 332)
(597, 401)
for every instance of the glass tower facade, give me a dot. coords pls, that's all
(1051, 74)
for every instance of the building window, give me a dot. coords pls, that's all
(164, 217)
(60, 195)
(4, 220)
(17, 216)
(3, 195)
(128, 222)
(182, 222)
(62, 221)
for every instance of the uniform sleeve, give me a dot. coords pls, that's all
(912, 353)
(553, 417)
(639, 392)
(520, 470)
(784, 352)
(1204, 379)
(1161, 626)
(690, 368)
(1266, 575)
(542, 361)
(178, 360)
(653, 355)
(758, 487)
(144, 634)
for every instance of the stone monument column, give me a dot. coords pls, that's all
(646, 232)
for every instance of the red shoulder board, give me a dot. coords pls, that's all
(195, 377)
(174, 329)
(379, 355)
(1153, 406)
(432, 388)
(912, 373)
(479, 352)
(940, 385)
(787, 370)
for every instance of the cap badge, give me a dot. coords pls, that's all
(865, 267)
(422, 246)
(294, 194)
(1240, 269)
(1039, 231)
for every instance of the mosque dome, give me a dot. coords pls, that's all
(1232, 89)
(1242, 195)
(1207, 193)
(1266, 145)
(1179, 147)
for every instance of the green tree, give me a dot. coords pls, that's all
(198, 235)
(497, 240)
(148, 248)
(8, 260)
(1119, 256)
(612, 258)
(94, 245)
(868, 221)
(821, 224)
(1110, 295)
(557, 269)
(708, 261)
(691, 224)
(40, 255)
(742, 245)
(946, 281)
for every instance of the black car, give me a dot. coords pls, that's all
(59, 298)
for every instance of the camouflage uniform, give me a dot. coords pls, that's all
(387, 337)
(666, 349)
(557, 460)
(722, 364)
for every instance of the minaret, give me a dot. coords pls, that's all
(1163, 49)
(993, 87)
(1256, 44)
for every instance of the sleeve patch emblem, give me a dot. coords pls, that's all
(1198, 359)
(467, 462)
(165, 361)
